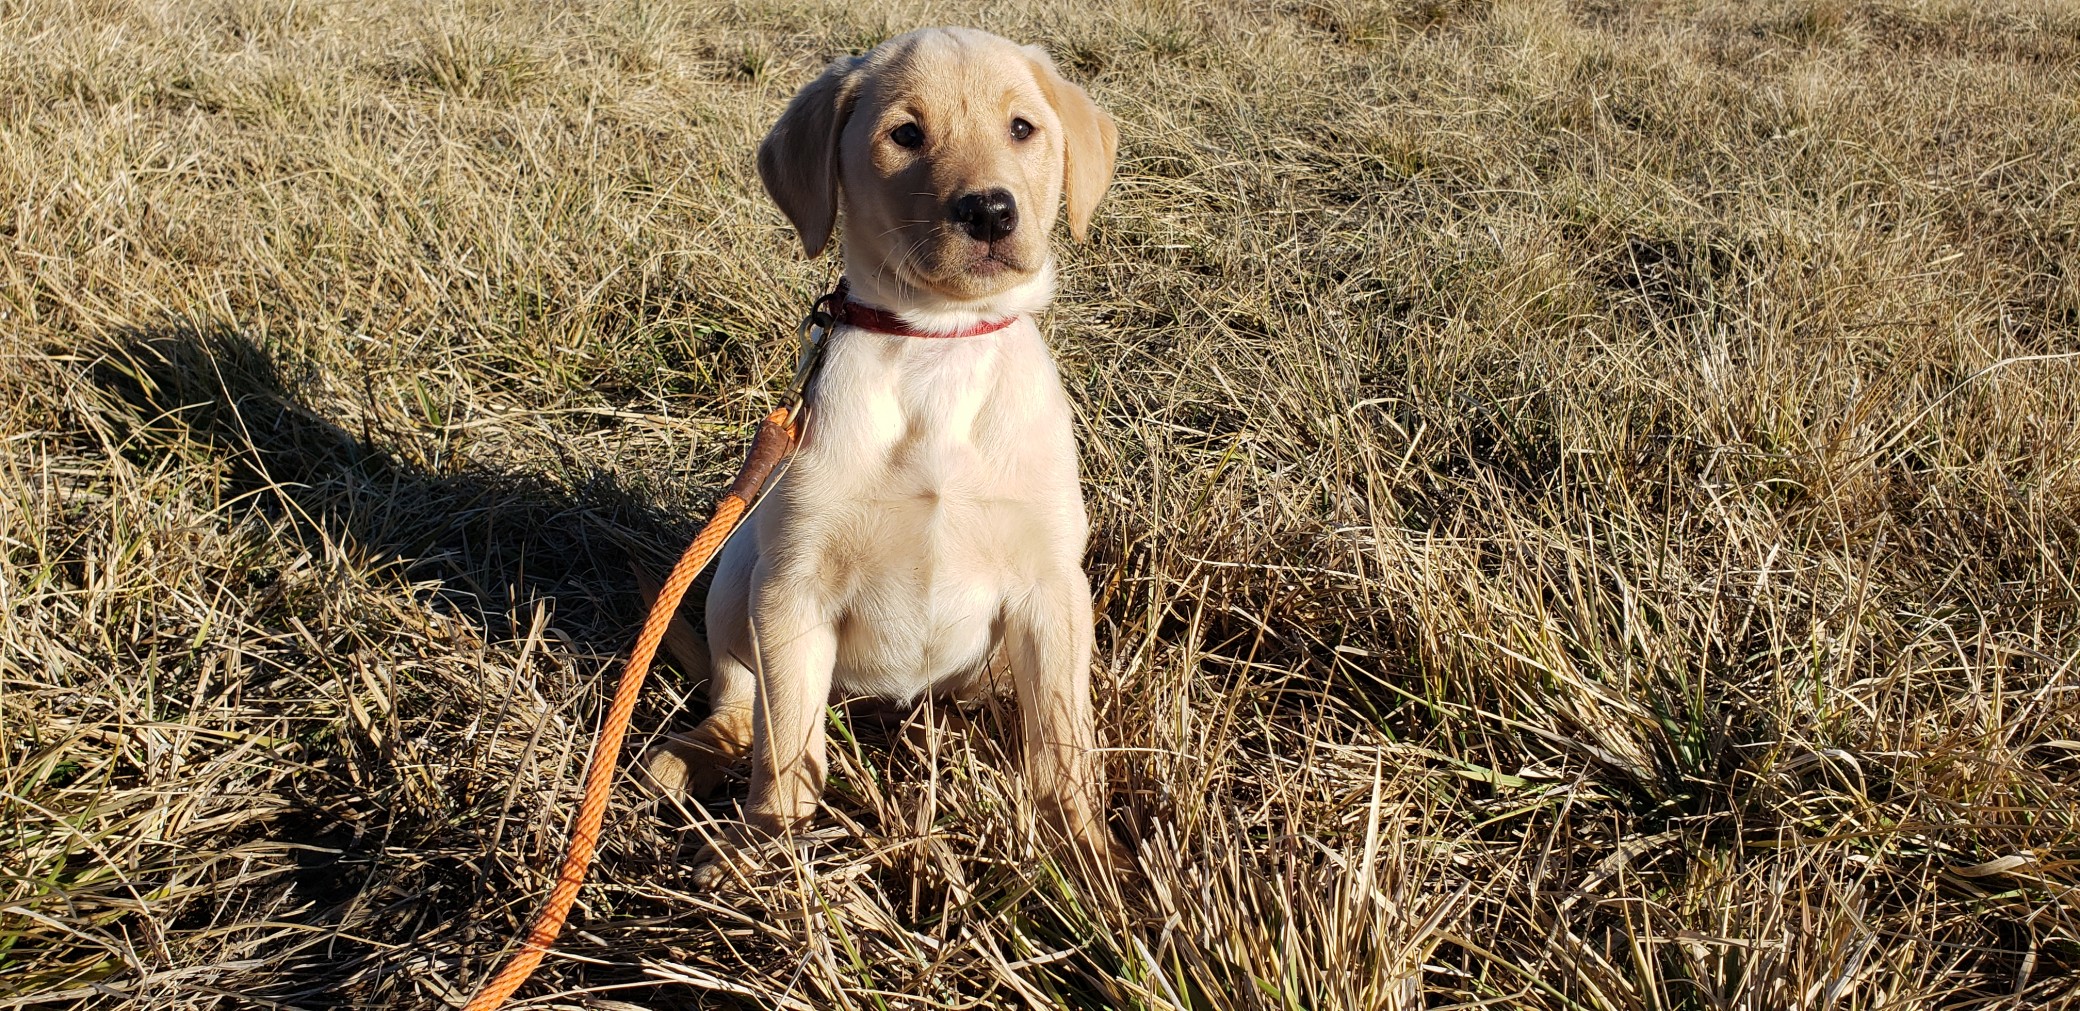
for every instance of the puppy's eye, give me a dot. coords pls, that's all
(1020, 129)
(907, 135)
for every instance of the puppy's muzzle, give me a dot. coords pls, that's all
(986, 216)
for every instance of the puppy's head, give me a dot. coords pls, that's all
(950, 150)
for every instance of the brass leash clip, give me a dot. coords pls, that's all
(810, 336)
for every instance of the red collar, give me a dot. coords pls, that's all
(867, 317)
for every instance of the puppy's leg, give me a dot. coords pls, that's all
(796, 649)
(1048, 633)
(692, 764)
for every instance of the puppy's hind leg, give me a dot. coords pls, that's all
(797, 647)
(691, 764)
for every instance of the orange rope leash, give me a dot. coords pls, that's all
(776, 438)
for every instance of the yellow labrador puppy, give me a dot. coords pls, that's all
(929, 533)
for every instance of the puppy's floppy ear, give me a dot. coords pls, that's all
(799, 158)
(1089, 141)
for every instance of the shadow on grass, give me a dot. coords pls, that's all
(496, 536)
(485, 546)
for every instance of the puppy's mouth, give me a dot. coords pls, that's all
(965, 267)
(992, 261)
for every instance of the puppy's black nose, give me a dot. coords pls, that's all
(988, 216)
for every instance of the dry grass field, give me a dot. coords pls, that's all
(1586, 506)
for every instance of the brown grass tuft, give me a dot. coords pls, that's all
(1586, 505)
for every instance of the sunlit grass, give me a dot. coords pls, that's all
(1585, 508)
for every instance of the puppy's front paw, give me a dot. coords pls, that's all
(1082, 837)
(1092, 847)
(709, 871)
(1114, 856)
(735, 848)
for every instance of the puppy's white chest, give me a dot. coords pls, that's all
(925, 411)
(899, 417)
(936, 484)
